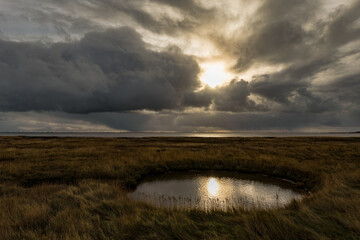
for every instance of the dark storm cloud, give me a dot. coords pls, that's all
(235, 98)
(109, 71)
(105, 71)
(274, 34)
(121, 11)
(202, 98)
(345, 91)
(134, 10)
(212, 120)
(340, 28)
(280, 86)
(279, 36)
(259, 121)
(201, 121)
(194, 15)
(286, 32)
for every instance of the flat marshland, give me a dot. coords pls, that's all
(76, 188)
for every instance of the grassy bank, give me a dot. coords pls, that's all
(75, 188)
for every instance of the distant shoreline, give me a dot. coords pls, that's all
(181, 134)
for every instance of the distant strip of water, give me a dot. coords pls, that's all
(180, 134)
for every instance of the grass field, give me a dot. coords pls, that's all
(75, 188)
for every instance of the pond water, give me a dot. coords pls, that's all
(216, 191)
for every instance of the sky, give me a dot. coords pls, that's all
(170, 65)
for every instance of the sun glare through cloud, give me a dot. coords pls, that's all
(215, 74)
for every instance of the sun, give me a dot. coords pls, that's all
(215, 74)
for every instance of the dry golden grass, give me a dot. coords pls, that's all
(75, 188)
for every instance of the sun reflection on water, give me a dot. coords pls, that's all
(216, 192)
(212, 187)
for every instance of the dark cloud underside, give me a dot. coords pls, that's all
(103, 72)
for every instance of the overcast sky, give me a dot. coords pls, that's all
(170, 65)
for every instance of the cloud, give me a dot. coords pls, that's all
(292, 36)
(234, 97)
(177, 121)
(67, 20)
(104, 71)
(114, 63)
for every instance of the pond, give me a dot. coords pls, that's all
(216, 191)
